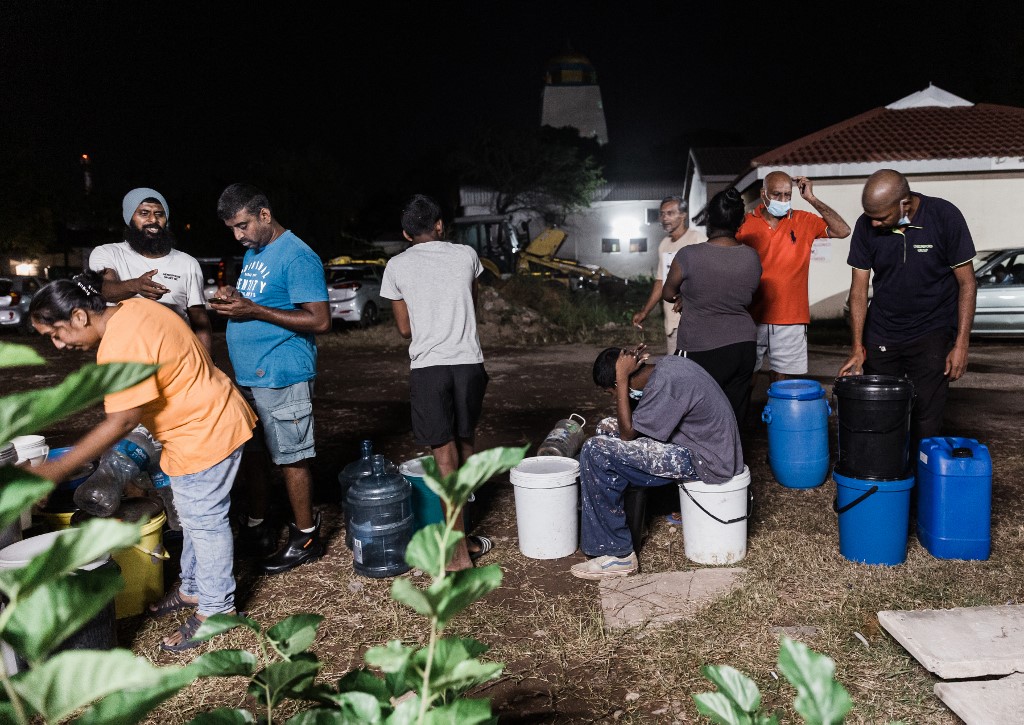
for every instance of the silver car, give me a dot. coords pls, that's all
(1000, 310)
(354, 292)
(15, 295)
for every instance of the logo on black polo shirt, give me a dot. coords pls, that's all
(922, 248)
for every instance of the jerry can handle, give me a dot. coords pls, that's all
(577, 415)
(766, 414)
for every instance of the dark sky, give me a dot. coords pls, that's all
(184, 92)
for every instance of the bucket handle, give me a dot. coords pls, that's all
(583, 422)
(156, 555)
(847, 507)
(750, 507)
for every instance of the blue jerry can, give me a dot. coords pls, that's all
(954, 498)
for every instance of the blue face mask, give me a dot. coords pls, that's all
(904, 219)
(778, 208)
(635, 394)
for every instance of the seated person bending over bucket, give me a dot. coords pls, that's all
(683, 428)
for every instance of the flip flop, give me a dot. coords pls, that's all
(674, 519)
(171, 602)
(483, 542)
(188, 631)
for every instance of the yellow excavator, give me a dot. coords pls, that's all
(496, 241)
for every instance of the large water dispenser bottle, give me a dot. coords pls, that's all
(359, 468)
(380, 511)
(565, 439)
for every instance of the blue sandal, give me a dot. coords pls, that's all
(188, 631)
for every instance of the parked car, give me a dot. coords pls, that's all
(354, 291)
(1000, 305)
(15, 295)
(218, 272)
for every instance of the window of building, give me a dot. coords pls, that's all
(609, 246)
(654, 215)
(638, 245)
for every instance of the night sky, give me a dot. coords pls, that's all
(193, 95)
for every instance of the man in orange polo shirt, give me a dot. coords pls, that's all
(783, 237)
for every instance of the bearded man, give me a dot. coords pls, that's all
(146, 264)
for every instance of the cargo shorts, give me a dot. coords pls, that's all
(285, 426)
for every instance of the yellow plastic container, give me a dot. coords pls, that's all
(55, 521)
(142, 567)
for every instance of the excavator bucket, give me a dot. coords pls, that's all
(546, 243)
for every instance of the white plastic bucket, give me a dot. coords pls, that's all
(715, 519)
(547, 492)
(98, 633)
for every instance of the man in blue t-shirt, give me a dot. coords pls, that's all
(273, 313)
(919, 322)
(683, 428)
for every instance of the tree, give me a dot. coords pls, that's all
(546, 171)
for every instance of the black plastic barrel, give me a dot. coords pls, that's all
(873, 413)
(380, 511)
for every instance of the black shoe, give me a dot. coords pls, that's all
(256, 542)
(299, 549)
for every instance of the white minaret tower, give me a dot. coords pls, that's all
(572, 96)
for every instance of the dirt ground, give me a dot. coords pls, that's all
(544, 624)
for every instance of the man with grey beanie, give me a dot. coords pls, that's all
(146, 264)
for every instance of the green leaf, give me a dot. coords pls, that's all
(362, 680)
(75, 678)
(223, 716)
(448, 596)
(463, 676)
(33, 410)
(281, 678)
(406, 712)
(477, 470)
(72, 549)
(407, 593)
(353, 707)
(19, 490)
(294, 634)
(424, 551)
(392, 658)
(58, 609)
(14, 356)
(735, 685)
(133, 705)
(720, 709)
(820, 699)
(221, 623)
(223, 663)
(461, 712)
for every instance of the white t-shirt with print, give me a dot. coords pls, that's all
(179, 272)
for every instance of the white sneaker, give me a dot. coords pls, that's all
(603, 567)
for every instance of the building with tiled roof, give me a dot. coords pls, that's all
(970, 154)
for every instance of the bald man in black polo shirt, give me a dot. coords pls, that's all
(919, 321)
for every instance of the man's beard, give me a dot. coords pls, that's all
(150, 245)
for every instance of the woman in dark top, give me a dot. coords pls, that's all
(711, 285)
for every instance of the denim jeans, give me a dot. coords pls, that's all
(207, 555)
(607, 466)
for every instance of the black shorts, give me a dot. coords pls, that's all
(446, 402)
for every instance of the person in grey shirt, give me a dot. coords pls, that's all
(711, 285)
(432, 286)
(683, 428)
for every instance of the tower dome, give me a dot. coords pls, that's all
(572, 97)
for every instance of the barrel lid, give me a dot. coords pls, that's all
(796, 390)
(873, 387)
(8, 453)
(413, 467)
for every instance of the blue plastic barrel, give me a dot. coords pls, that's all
(874, 519)
(954, 498)
(797, 417)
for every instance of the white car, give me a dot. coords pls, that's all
(15, 295)
(353, 290)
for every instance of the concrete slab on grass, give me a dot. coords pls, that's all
(983, 702)
(664, 597)
(964, 642)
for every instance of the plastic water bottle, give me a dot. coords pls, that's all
(100, 494)
(162, 483)
(354, 471)
(382, 521)
(565, 439)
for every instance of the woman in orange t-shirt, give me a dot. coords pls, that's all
(188, 405)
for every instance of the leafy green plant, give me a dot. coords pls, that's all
(820, 699)
(420, 684)
(49, 599)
